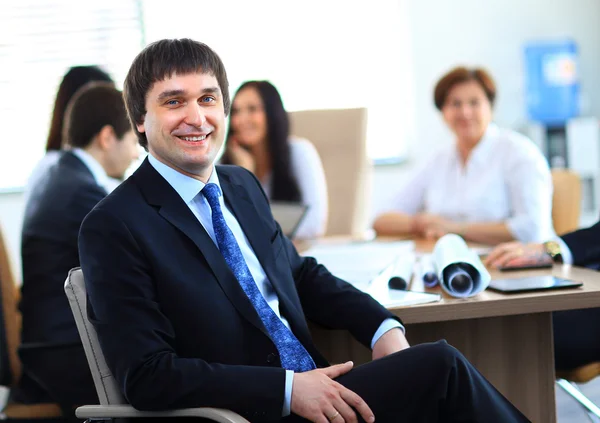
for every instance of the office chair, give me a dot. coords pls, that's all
(340, 139)
(568, 380)
(566, 200)
(10, 364)
(112, 403)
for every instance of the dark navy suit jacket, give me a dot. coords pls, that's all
(174, 324)
(585, 246)
(53, 216)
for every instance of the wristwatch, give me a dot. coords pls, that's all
(552, 248)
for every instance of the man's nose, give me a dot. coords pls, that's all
(195, 115)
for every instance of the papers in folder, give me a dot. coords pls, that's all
(365, 264)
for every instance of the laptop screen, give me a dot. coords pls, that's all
(289, 216)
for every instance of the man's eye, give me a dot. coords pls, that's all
(208, 99)
(172, 102)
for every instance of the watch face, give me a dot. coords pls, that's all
(553, 249)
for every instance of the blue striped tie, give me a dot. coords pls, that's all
(292, 353)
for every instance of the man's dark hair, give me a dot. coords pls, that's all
(94, 106)
(159, 61)
(73, 80)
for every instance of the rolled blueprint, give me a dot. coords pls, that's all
(426, 271)
(396, 275)
(402, 271)
(459, 269)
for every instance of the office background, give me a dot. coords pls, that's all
(336, 54)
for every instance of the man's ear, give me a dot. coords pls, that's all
(141, 126)
(106, 137)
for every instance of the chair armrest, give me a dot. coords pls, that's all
(127, 411)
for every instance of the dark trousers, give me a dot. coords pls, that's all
(427, 383)
(576, 337)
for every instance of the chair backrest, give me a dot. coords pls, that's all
(566, 200)
(340, 139)
(10, 335)
(106, 386)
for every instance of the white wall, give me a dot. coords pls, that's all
(440, 34)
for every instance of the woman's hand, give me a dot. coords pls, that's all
(433, 227)
(240, 156)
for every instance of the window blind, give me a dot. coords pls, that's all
(39, 41)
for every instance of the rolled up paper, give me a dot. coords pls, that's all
(459, 269)
(402, 271)
(426, 271)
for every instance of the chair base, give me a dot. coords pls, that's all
(571, 389)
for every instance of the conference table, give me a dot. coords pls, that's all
(508, 337)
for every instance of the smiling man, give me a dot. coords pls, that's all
(200, 300)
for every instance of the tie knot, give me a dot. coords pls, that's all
(211, 192)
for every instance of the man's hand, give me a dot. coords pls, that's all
(390, 342)
(319, 398)
(517, 254)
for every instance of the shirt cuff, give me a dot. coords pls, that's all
(565, 251)
(287, 400)
(387, 325)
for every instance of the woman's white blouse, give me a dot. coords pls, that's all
(308, 170)
(506, 178)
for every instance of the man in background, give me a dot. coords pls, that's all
(576, 332)
(102, 146)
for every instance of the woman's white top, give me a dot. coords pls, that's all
(308, 171)
(506, 178)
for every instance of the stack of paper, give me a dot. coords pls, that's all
(369, 265)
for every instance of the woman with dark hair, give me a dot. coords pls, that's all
(75, 78)
(288, 167)
(492, 185)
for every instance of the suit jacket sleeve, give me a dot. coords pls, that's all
(584, 245)
(139, 342)
(334, 303)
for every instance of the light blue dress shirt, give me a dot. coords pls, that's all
(189, 189)
(565, 251)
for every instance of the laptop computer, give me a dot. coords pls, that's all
(289, 216)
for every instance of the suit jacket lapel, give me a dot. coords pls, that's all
(158, 192)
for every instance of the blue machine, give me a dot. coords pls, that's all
(552, 81)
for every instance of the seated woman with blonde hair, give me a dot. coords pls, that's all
(288, 168)
(492, 185)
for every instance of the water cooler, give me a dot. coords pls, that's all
(552, 87)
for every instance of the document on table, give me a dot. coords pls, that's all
(364, 265)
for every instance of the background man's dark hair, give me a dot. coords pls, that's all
(159, 61)
(73, 80)
(94, 106)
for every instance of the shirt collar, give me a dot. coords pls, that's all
(481, 151)
(93, 166)
(186, 186)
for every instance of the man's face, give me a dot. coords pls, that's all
(120, 154)
(184, 122)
